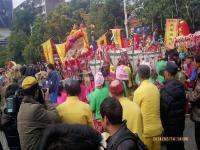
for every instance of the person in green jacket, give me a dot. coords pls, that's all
(97, 97)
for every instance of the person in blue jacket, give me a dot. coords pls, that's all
(53, 83)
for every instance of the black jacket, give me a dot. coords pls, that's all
(172, 105)
(9, 126)
(115, 142)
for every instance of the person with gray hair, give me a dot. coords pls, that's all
(147, 96)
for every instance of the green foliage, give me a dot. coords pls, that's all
(23, 17)
(157, 11)
(106, 15)
(3, 56)
(16, 45)
(25, 45)
(39, 35)
(60, 22)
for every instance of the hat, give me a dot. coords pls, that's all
(124, 73)
(116, 87)
(121, 73)
(172, 68)
(29, 82)
(98, 79)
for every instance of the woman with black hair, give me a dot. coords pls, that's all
(70, 137)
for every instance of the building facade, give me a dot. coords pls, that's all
(6, 10)
(44, 7)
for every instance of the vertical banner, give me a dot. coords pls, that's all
(47, 49)
(117, 37)
(60, 48)
(171, 32)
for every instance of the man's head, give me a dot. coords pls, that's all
(116, 88)
(111, 112)
(31, 88)
(189, 59)
(144, 72)
(11, 90)
(173, 55)
(50, 68)
(70, 137)
(171, 70)
(197, 61)
(72, 87)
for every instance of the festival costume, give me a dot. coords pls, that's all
(147, 96)
(73, 111)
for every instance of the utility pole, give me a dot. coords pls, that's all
(126, 19)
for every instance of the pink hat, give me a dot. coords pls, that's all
(98, 79)
(121, 74)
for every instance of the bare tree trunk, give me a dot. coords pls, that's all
(176, 8)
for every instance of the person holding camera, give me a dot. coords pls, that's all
(9, 116)
(34, 115)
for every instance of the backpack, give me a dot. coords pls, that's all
(140, 145)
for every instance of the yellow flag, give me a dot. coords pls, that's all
(102, 40)
(85, 36)
(171, 32)
(60, 48)
(47, 48)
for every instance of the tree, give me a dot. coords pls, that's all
(16, 45)
(23, 17)
(3, 56)
(106, 15)
(40, 33)
(157, 11)
(60, 22)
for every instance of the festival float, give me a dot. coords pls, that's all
(76, 55)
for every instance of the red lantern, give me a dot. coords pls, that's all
(184, 28)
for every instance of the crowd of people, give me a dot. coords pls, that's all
(116, 109)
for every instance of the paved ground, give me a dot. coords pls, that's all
(189, 132)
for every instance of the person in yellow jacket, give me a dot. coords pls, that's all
(147, 96)
(73, 111)
(131, 110)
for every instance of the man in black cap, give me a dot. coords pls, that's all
(173, 101)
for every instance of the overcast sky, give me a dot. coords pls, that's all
(17, 2)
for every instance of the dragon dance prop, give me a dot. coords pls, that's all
(76, 34)
(191, 41)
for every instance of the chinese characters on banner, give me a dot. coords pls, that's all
(171, 32)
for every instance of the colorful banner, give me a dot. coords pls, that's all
(47, 48)
(60, 48)
(171, 32)
(117, 37)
